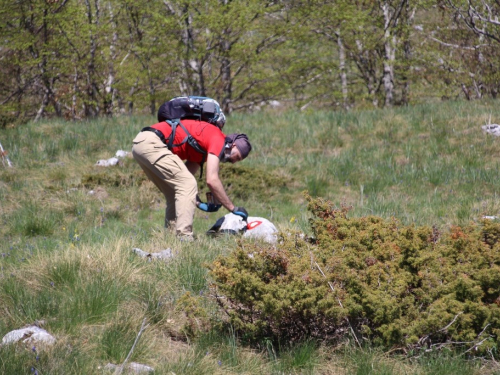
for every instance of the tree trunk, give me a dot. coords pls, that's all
(75, 95)
(131, 101)
(227, 84)
(409, 16)
(152, 94)
(47, 82)
(367, 72)
(91, 106)
(342, 71)
(109, 99)
(389, 47)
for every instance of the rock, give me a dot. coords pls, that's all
(122, 154)
(30, 334)
(493, 129)
(163, 254)
(107, 163)
(111, 162)
(134, 367)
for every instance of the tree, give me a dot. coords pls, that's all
(482, 18)
(28, 31)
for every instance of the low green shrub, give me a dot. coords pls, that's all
(396, 286)
(243, 182)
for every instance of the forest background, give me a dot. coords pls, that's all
(85, 58)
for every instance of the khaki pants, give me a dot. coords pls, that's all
(170, 175)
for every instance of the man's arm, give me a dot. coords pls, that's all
(215, 184)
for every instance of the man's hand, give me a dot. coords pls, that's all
(209, 207)
(240, 211)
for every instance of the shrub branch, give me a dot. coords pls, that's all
(120, 368)
(340, 303)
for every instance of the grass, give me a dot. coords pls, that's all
(68, 228)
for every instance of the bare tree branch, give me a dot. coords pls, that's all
(120, 368)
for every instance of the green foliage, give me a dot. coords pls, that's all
(94, 297)
(29, 359)
(370, 362)
(14, 359)
(113, 178)
(29, 306)
(117, 340)
(243, 182)
(265, 298)
(422, 164)
(395, 285)
(155, 302)
(31, 220)
(448, 363)
(92, 59)
(301, 358)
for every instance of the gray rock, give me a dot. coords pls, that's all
(493, 129)
(115, 160)
(30, 334)
(163, 254)
(121, 154)
(134, 367)
(107, 163)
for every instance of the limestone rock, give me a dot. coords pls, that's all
(30, 334)
(122, 154)
(163, 254)
(132, 367)
(493, 129)
(115, 160)
(107, 162)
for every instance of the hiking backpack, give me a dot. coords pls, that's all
(189, 107)
(192, 107)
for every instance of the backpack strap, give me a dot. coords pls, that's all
(189, 139)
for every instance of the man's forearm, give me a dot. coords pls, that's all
(215, 184)
(219, 193)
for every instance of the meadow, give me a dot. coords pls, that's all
(68, 228)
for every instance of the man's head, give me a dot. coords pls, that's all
(237, 148)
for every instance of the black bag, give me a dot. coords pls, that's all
(192, 107)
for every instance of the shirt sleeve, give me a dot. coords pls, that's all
(213, 140)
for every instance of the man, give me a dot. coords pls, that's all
(175, 179)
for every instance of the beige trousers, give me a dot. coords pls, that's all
(170, 175)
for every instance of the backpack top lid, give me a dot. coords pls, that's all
(192, 107)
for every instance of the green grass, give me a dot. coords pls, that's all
(68, 227)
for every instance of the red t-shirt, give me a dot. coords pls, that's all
(209, 137)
